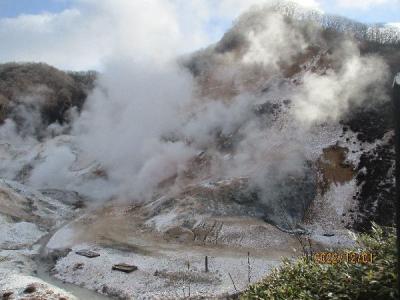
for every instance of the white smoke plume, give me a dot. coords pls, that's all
(132, 108)
(326, 97)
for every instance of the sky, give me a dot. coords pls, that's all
(13, 8)
(361, 10)
(366, 11)
(81, 34)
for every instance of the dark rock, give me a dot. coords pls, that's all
(124, 268)
(104, 289)
(371, 123)
(377, 188)
(67, 197)
(57, 254)
(30, 289)
(87, 253)
(267, 108)
(78, 266)
(328, 234)
(7, 295)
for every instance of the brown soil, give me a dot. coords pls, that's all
(333, 167)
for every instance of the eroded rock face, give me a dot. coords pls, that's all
(347, 167)
(374, 128)
(371, 123)
(375, 178)
(282, 202)
(69, 198)
(287, 201)
(20, 204)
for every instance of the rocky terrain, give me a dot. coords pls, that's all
(266, 173)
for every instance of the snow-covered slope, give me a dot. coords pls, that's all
(26, 218)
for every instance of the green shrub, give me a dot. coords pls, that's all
(308, 279)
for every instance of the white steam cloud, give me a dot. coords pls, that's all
(132, 108)
(328, 96)
(273, 41)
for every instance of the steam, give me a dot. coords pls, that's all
(130, 111)
(271, 39)
(148, 117)
(327, 97)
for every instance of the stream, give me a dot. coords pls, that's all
(79, 292)
(44, 266)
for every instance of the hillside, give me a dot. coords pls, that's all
(363, 146)
(37, 95)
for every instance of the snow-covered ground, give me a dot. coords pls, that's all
(167, 267)
(26, 218)
(14, 285)
(164, 273)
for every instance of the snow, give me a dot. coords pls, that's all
(46, 208)
(322, 136)
(62, 239)
(163, 221)
(340, 196)
(17, 283)
(341, 238)
(172, 274)
(357, 148)
(252, 235)
(19, 260)
(331, 214)
(18, 235)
